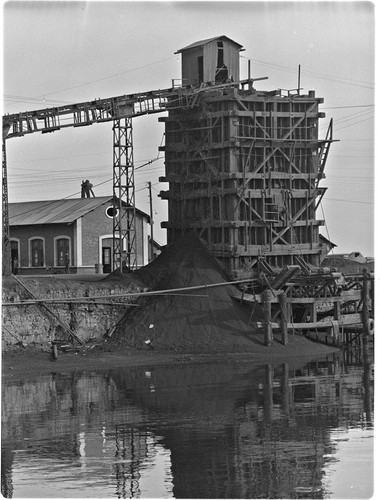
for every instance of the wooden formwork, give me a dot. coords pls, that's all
(243, 169)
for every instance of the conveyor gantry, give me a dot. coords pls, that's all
(120, 110)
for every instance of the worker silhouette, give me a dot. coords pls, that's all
(87, 189)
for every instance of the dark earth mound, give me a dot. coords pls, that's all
(199, 321)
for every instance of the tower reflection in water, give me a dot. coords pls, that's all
(187, 431)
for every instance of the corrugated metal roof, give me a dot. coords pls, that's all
(203, 42)
(54, 211)
(29, 213)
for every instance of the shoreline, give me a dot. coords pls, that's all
(19, 363)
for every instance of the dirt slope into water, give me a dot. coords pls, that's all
(189, 322)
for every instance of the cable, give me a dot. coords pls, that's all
(356, 123)
(79, 192)
(351, 201)
(109, 77)
(344, 107)
(32, 100)
(351, 116)
(327, 230)
(149, 162)
(339, 127)
(313, 73)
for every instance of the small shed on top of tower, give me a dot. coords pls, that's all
(213, 60)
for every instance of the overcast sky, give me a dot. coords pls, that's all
(59, 53)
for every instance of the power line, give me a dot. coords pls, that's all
(350, 201)
(355, 123)
(347, 81)
(353, 116)
(109, 77)
(344, 107)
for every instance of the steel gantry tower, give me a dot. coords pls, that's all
(124, 227)
(120, 110)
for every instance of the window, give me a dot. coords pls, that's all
(37, 252)
(15, 255)
(200, 69)
(62, 251)
(220, 54)
(112, 211)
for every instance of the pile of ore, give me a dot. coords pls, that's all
(206, 320)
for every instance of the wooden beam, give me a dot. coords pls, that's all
(348, 319)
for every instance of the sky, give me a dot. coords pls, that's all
(58, 53)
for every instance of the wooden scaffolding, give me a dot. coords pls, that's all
(243, 168)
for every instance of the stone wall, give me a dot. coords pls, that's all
(32, 324)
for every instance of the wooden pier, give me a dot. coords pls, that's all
(326, 306)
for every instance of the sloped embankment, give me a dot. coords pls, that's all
(206, 320)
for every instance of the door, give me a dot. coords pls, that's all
(63, 252)
(200, 70)
(106, 259)
(14, 257)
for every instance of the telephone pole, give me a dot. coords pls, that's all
(151, 252)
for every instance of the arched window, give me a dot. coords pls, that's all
(37, 252)
(15, 254)
(62, 251)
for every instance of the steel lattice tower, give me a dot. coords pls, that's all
(124, 217)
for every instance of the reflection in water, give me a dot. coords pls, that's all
(189, 431)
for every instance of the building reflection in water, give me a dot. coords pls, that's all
(189, 431)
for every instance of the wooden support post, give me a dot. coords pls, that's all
(250, 218)
(365, 311)
(313, 313)
(268, 403)
(367, 365)
(54, 349)
(284, 317)
(267, 307)
(336, 310)
(285, 388)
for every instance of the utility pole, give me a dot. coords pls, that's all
(299, 79)
(6, 239)
(151, 256)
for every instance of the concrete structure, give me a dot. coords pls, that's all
(244, 166)
(45, 236)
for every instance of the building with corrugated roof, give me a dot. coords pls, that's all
(51, 236)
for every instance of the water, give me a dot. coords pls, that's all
(229, 430)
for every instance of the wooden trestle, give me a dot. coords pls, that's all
(319, 304)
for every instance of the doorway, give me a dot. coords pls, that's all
(14, 257)
(106, 259)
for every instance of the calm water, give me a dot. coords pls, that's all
(227, 430)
